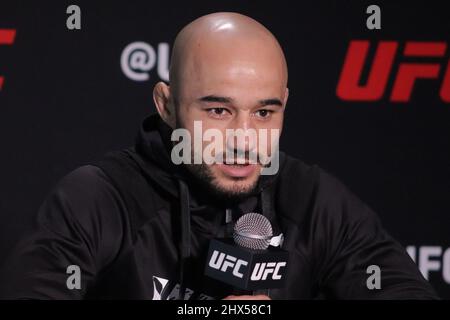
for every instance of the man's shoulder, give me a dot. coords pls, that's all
(83, 193)
(84, 180)
(296, 168)
(313, 177)
(312, 190)
(84, 174)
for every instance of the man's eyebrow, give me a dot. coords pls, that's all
(220, 99)
(213, 98)
(270, 102)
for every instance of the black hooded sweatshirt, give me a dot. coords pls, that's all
(138, 227)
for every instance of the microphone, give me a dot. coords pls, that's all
(251, 260)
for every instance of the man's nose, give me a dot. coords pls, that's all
(243, 136)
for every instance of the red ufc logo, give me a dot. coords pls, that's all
(6, 38)
(349, 86)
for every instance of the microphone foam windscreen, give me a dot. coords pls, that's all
(253, 231)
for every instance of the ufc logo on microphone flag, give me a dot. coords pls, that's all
(222, 262)
(245, 268)
(262, 270)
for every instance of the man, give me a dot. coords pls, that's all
(137, 225)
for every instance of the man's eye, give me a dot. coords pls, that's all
(217, 112)
(263, 113)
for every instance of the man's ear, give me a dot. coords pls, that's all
(286, 96)
(166, 109)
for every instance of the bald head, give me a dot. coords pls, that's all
(224, 39)
(222, 54)
(228, 73)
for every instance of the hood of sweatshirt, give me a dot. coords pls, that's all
(154, 145)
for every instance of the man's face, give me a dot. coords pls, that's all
(240, 92)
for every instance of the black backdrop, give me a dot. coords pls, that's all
(66, 100)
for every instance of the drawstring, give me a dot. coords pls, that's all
(267, 212)
(265, 203)
(185, 234)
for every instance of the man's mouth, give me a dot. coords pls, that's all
(238, 170)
